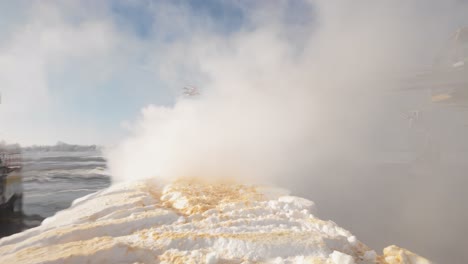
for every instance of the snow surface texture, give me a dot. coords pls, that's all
(192, 221)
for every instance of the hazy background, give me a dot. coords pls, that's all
(304, 94)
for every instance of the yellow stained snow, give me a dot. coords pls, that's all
(201, 196)
(60, 251)
(187, 197)
(271, 237)
(397, 255)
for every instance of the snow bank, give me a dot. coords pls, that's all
(192, 221)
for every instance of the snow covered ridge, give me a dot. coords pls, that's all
(192, 221)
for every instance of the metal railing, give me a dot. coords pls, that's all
(10, 158)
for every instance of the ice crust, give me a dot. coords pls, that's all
(192, 221)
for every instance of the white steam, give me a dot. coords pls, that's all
(279, 96)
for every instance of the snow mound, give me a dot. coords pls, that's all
(192, 221)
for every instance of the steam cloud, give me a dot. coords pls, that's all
(280, 95)
(284, 95)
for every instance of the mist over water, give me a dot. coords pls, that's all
(316, 105)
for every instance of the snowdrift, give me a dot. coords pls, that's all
(192, 221)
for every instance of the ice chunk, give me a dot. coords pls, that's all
(396, 255)
(341, 258)
(212, 258)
